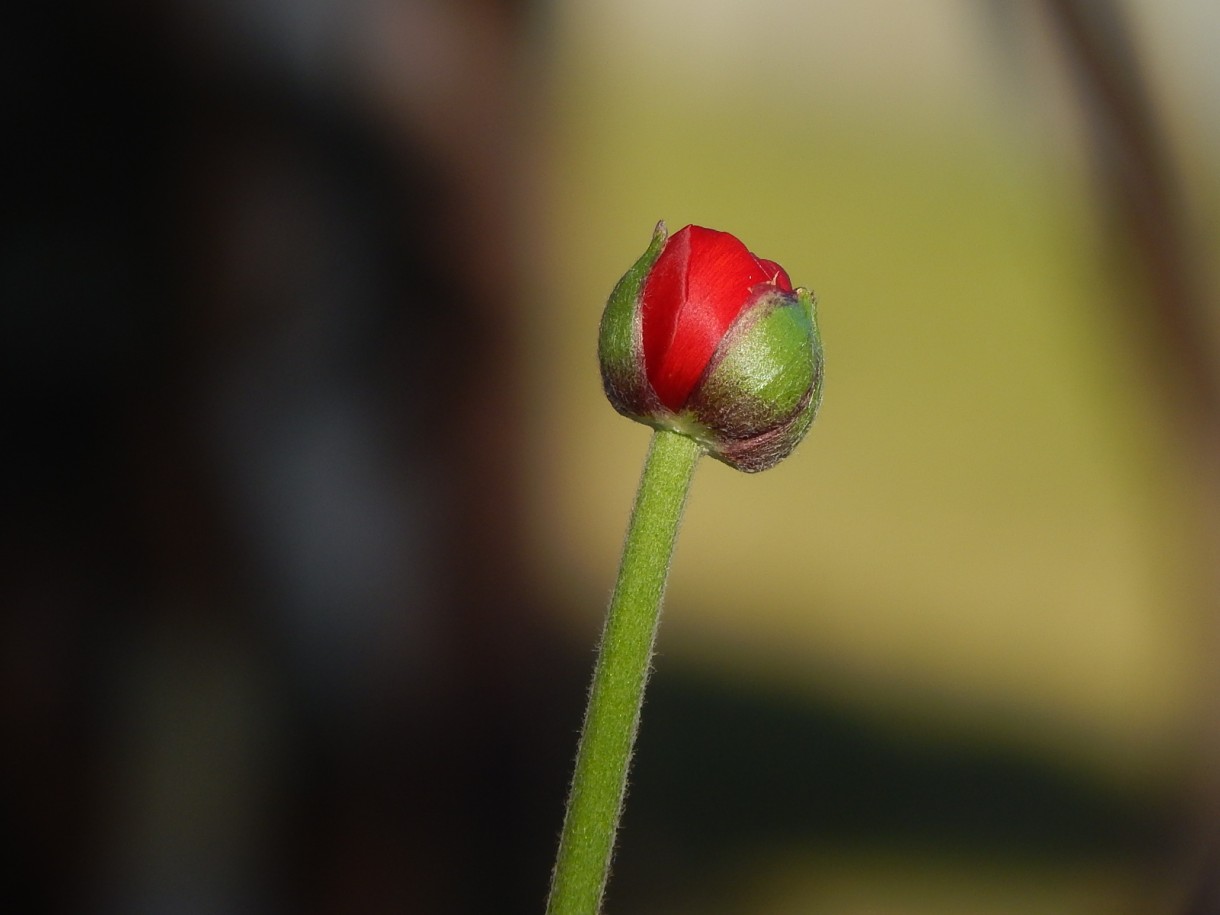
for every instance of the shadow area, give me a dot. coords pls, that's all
(727, 775)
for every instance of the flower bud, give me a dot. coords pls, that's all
(703, 338)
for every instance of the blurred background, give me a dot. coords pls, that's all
(314, 501)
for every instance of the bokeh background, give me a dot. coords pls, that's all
(314, 502)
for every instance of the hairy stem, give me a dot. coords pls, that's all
(612, 717)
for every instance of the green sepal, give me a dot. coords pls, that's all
(620, 338)
(764, 384)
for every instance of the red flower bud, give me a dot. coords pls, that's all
(704, 338)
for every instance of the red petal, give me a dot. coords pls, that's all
(776, 274)
(695, 290)
(661, 302)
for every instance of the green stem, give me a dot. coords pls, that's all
(613, 714)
